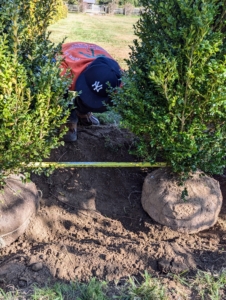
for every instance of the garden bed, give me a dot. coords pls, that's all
(91, 223)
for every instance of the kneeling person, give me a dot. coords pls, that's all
(93, 70)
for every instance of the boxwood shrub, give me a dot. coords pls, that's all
(173, 95)
(32, 101)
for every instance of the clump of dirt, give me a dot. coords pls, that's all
(91, 223)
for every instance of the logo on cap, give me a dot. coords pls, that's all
(97, 86)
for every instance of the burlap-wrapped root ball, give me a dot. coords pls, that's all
(161, 199)
(18, 204)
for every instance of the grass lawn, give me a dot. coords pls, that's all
(203, 287)
(113, 33)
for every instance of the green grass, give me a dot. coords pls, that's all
(150, 288)
(205, 286)
(94, 290)
(113, 33)
(10, 295)
(108, 117)
(211, 286)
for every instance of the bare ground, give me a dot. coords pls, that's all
(91, 223)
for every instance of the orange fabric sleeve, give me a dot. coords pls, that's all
(77, 56)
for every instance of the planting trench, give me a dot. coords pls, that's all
(91, 223)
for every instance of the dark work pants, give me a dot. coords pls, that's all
(82, 109)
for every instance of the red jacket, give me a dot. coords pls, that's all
(78, 55)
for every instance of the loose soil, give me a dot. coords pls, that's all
(91, 223)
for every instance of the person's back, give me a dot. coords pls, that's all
(92, 69)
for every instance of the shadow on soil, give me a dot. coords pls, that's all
(91, 223)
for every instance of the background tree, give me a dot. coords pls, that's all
(75, 2)
(135, 3)
(120, 3)
(60, 9)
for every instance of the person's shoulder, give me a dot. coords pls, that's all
(76, 45)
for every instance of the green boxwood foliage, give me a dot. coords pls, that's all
(61, 11)
(32, 102)
(173, 96)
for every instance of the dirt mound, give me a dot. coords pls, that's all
(91, 222)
